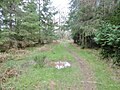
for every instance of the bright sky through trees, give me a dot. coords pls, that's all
(62, 6)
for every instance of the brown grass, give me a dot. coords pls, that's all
(18, 51)
(3, 57)
(44, 48)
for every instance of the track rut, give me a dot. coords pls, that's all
(88, 82)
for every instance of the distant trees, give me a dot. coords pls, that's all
(82, 21)
(25, 23)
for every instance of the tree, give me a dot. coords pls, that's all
(30, 23)
(85, 17)
(25, 22)
(114, 15)
(47, 22)
(9, 10)
(97, 22)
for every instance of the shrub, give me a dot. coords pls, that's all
(108, 37)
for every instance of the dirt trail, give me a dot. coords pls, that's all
(87, 82)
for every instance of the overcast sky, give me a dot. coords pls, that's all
(61, 6)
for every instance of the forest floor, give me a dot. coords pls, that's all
(19, 71)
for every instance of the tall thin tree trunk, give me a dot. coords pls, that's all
(10, 20)
(10, 24)
(39, 40)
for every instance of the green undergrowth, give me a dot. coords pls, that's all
(43, 78)
(103, 74)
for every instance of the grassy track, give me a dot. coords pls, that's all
(103, 74)
(48, 77)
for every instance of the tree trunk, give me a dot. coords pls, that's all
(10, 20)
(39, 40)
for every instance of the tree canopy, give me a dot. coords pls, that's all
(25, 23)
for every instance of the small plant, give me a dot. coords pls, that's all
(40, 61)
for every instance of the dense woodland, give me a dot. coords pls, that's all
(25, 23)
(96, 23)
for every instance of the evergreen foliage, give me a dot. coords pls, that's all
(97, 23)
(25, 23)
(108, 36)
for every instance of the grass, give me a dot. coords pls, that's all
(103, 74)
(31, 78)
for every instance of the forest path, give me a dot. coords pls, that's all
(88, 82)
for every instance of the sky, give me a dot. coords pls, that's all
(62, 6)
